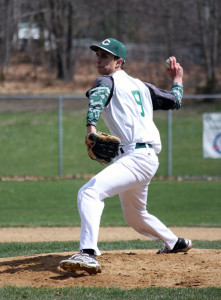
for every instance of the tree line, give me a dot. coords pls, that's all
(51, 29)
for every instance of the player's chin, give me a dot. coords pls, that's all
(102, 71)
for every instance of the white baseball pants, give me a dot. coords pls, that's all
(129, 176)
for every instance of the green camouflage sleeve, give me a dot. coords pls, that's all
(177, 91)
(98, 97)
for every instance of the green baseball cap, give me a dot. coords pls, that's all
(112, 46)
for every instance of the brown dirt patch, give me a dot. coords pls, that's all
(125, 269)
(50, 234)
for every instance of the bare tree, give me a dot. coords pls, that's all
(6, 33)
(209, 14)
(186, 29)
(61, 20)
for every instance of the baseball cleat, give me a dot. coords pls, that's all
(182, 245)
(81, 262)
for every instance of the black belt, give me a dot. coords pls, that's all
(138, 146)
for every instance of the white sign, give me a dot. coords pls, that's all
(212, 135)
(28, 31)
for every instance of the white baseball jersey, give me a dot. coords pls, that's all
(129, 114)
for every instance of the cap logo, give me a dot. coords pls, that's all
(106, 42)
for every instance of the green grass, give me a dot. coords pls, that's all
(20, 249)
(189, 203)
(29, 143)
(53, 203)
(93, 293)
(187, 154)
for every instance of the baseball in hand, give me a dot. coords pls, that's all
(167, 63)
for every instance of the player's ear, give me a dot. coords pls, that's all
(119, 62)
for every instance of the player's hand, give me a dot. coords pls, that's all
(90, 128)
(86, 141)
(175, 71)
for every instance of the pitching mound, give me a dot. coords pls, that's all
(124, 269)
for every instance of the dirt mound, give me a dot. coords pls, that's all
(124, 269)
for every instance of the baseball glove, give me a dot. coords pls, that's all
(102, 147)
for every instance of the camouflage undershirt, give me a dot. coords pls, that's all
(98, 97)
(177, 91)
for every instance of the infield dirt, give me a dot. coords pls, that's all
(124, 269)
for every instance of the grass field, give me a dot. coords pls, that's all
(88, 293)
(29, 143)
(53, 203)
(20, 249)
(29, 147)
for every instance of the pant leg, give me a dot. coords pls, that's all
(133, 203)
(109, 182)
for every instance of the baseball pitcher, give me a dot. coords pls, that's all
(126, 104)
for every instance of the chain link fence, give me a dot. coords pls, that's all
(40, 136)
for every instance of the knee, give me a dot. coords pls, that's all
(89, 194)
(135, 220)
(130, 219)
(134, 223)
(83, 190)
(81, 195)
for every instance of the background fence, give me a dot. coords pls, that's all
(43, 135)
